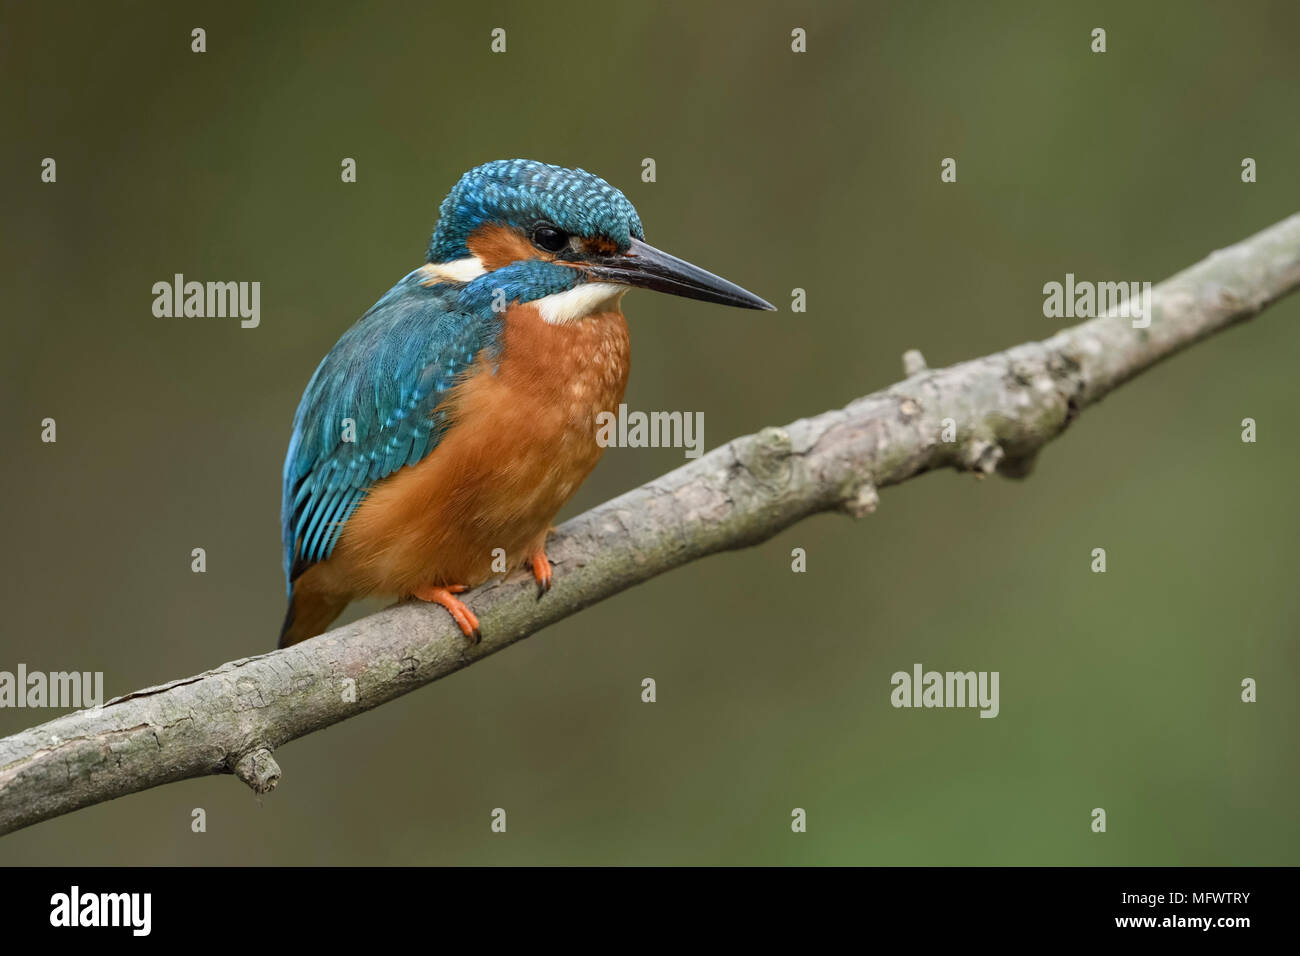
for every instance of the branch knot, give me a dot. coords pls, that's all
(766, 456)
(862, 500)
(258, 769)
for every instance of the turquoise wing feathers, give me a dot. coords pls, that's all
(370, 410)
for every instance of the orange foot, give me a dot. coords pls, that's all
(541, 571)
(461, 614)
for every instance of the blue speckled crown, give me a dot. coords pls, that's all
(521, 191)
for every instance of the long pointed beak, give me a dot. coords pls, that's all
(646, 267)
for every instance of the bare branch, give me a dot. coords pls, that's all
(1004, 408)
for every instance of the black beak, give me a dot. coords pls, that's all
(646, 267)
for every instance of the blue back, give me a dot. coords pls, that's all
(388, 374)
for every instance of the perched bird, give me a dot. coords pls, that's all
(459, 414)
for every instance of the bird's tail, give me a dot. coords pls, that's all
(311, 610)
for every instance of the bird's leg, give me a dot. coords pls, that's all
(541, 565)
(462, 615)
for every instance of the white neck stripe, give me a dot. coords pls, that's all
(458, 270)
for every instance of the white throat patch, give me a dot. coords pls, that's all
(579, 302)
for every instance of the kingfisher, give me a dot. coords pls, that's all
(450, 424)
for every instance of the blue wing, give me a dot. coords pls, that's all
(386, 374)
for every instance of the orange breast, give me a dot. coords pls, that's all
(521, 441)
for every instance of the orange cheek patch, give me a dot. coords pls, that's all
(497, 246)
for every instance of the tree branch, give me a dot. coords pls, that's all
(1005, 408)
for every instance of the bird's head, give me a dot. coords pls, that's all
(550, 230)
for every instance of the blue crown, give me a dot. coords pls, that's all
(523, 191)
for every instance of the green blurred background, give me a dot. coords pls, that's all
(777, 170)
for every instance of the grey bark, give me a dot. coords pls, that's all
(1005, 408)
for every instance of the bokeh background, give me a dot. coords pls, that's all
(777, 170)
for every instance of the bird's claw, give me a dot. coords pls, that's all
(541, 565)
(465, 619)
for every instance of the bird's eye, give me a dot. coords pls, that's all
(546, 236)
